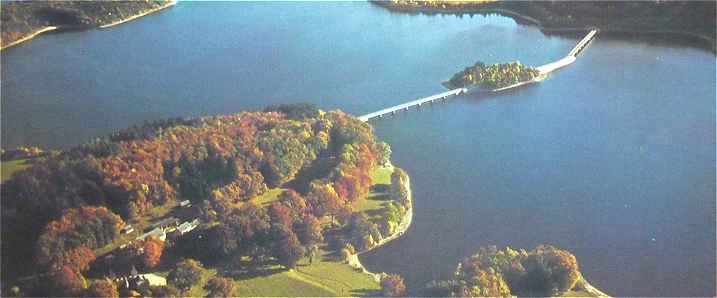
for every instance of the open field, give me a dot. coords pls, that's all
(12, 166)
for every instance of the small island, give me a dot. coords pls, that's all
(493, 77)
(545, 271)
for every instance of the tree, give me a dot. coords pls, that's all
(549, 271)
(219, 287)
(295, 202)
(89, 227)
(544, 271)
(67, 282)
(152, 252)
(288, 249)
(105, 288)
(311, 232)
(489, 283)
(399, 190)
(78, 259)
(384, 153)
(280, 214)
(324, 199)
(168, 291)
(186, 274)
(392, 285)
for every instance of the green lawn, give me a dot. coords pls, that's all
(373, 204)
(12, 166)
(270, 196)
(324, 278)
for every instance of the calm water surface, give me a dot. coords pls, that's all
(611, 158)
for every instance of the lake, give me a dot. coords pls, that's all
(612, 158)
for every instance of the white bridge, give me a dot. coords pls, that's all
(543, 69)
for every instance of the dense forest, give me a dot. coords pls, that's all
(492, 76)
(491, 272)
(23, 18)
(690, 18)
(76, 205)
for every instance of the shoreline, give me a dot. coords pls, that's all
(507, 12)
(115, 23)
(354, 261)
(590, 289)
(122, 21)
(30, 36)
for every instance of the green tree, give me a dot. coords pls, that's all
(186, 274)
(384, 153)
(219, 287)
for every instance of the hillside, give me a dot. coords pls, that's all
(22, 20)
(694, 20)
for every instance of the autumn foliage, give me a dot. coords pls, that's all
(152, 251)
(104, 288)
(543, 271)
(75, 201)
(392, 285)
(70, 239)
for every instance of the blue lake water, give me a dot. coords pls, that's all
(612, 158)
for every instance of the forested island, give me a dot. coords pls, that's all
(22, 20)
(545, 271)
(271, 203)
(494, 76)
(692, 19)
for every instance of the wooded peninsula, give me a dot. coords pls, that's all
(22, 20)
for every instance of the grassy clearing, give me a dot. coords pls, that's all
(381, 175)
(324, 277)
(377, 198)
(268, 197)
(10, 167)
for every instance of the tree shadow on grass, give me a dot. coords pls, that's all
(254, 272)
(380, 188)
(374, 213)
(379, 197)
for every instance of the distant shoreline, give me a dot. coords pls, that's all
(115, 23)
(166, 5)
(541, 25)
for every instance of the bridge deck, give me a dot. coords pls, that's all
(409, 104)
(543, 69)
